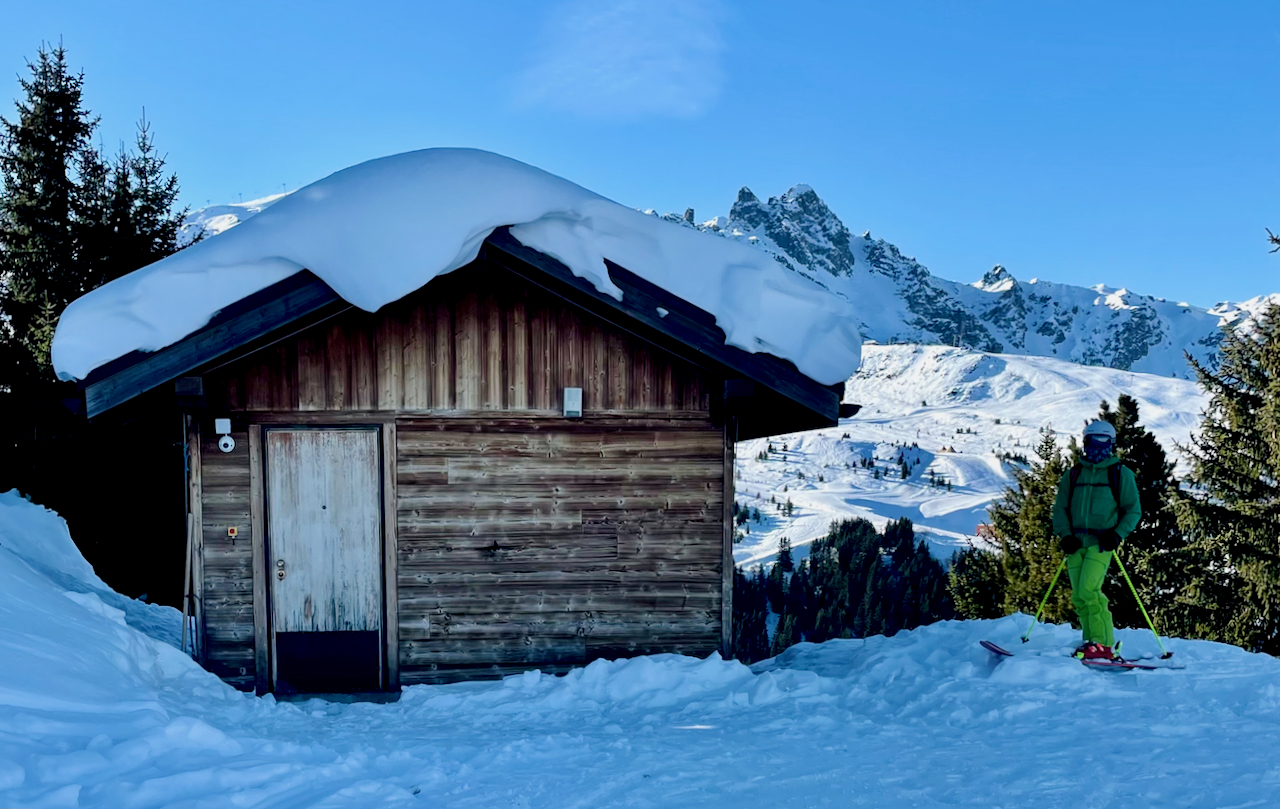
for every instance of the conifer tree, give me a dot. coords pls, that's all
(787, 635)
(39, 152)
(776, 589)
(70, 219)
(750, 611)
(785, 560)
(976, 583)
(1150, 553)
(1231, 516)
(1022, 520)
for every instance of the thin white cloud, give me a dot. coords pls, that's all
(627, 58)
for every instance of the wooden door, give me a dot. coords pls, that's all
(324, 541)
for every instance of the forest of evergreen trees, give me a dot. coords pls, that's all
(73, 217)
(856, 582)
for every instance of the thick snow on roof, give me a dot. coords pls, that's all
(380, 230)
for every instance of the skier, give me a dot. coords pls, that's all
(1095, 509)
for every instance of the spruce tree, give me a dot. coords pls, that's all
(1022, 520)
(787, 635)
(1151, 553)
(39, 152)
(70, 219)
(1231, 515)
(750, 611)
(785, 560)
(976, 583)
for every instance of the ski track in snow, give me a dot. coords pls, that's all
(94, 713)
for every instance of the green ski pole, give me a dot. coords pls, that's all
(1134, 590)
(1044, 600)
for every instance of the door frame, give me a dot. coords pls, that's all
(264, 623)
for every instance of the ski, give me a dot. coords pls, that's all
(994, 649)
(1118, 664)
(1121, 664)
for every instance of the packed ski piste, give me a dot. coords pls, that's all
(98, 707)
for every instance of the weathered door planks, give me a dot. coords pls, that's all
(324, 523)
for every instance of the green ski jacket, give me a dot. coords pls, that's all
(1093, 507)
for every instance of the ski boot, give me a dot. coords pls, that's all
(1096, 651)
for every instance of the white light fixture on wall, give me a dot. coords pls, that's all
(223, 427)
(573, 403)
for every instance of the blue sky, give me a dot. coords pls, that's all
(1074, 142)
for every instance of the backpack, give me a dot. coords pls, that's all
(1113, 481)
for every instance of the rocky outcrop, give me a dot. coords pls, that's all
(998, 313)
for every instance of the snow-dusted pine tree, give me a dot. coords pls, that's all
(1231, 516)
(1022, 520)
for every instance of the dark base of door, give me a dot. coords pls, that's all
(328, 662)
(379, 697)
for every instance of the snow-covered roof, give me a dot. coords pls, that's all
(377, 231)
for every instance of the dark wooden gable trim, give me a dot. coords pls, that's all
(249, 320)
(684, 327)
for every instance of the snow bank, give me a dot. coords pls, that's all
(382, 229)
(39, 538)
(94, 713)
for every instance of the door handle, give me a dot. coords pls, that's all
(280, 569)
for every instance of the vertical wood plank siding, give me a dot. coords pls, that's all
(554, 543)
(508, 347)
(514, 538)
(228, 563)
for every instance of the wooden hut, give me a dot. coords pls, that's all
(505, 470)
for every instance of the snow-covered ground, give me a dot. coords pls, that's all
(963, 409)
(95, 711)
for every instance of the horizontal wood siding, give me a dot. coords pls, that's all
(550, 543)
(478, 339)
(228, 563)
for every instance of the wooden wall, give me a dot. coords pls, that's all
(478, 339)
(521, 538)
(555, 543)
(227, 596)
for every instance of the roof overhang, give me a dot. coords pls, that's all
(764, 394)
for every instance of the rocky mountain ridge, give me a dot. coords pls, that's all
(904, 302)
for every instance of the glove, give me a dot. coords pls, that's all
(1070, 544)
(1108, 540)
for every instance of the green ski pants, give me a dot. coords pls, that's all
(1087, 568)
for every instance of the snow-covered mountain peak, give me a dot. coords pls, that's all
(997, 279)
(215, 219)
(797, 228)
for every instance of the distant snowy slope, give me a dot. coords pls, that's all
(214, 219)
(965, 410)
(94, 713)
